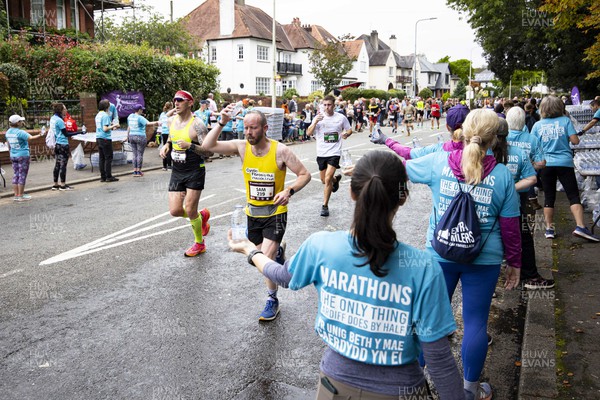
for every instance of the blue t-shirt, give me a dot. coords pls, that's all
(240, 122)
(597, 114)
(519, 165)
(112, 112)
(423, 151)
(137, 124)
(203, 115)
(494, 197)
(228, 126)
(102, 120)
(18, 140)
(554, 134)
(370, 319)
(164, 123)
(526, 141)
(57, 124)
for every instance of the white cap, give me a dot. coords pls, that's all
(15, 119)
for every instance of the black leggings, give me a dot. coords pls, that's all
(566, 176)
(167, 160)
(61, 152)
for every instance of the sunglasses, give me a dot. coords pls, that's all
(178, 99)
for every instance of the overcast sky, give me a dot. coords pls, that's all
(449, 35)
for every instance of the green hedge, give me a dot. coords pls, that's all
(101, 68)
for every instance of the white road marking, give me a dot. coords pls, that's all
(9, 273)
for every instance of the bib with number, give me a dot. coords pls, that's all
(331, 137)
(262, 191)
(178, 156)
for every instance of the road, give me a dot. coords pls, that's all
(98, 302)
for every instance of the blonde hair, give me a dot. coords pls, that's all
(479, 131)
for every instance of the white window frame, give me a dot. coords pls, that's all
(37, 12)
(391, 71)
(287, 58)
(315, 85)
(74, 14)
(263, 85)
(61, 20)
(363, 66)
(262, 53)
(240, 52)
(213, 55)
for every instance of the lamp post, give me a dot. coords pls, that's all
(415, 67)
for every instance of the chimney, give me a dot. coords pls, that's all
(296, 22)
(374, 40)
(240, 2)
(226, 17)
(393, 43)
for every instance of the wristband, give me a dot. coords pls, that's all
(252, 254)
(222, 125)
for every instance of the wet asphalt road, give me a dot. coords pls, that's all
(98, 302)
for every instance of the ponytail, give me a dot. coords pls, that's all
(479, 131)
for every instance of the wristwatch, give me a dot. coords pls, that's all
(291, 191)
(222, 125)
(252, 254)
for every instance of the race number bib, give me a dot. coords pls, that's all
(331, 137)
(178, 156)
(262, 191)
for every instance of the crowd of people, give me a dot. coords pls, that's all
(497, 153)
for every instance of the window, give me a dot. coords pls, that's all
(37, 12)
(213, 55)
(262, 53)
(287, 58)
(363, 66)
(74, 15)
(391, 71)
(263, 85)
(314, 86)
(60, 14)
(447, 79)
(240, 51)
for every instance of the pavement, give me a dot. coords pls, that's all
(558, 356)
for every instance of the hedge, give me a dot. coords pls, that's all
(101, 68)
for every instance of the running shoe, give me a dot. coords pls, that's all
(490, 339)
(336, 182)
(134, 173)
(483, 393)
(18, 199)
(584, 233)
(280, 258)
(112, 179)
(550, 233)
(65, 187)
(534, 204)
(324, 211)
(271, 310)
(26, 196)
(55, 187)
(205, 225)
(197, 248)
(539, 283)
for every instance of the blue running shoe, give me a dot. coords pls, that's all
(579, 231)
(271, 310)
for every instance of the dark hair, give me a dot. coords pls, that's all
(500, 146)
(329, 98)
(594, 103)
(103, 105)
(58, 108)
(379, 185)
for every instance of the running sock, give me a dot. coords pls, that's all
(472, 387)
(197, 228)
(185, 213)
(272, 293)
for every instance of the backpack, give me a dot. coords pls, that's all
(51, 138)
(70, 124)
(457, 235)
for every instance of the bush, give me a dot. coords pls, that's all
(319, 93)
(352, 94)
(396, 93)
(425, 93)
(445, 96)
(17, 78)
(289, 93)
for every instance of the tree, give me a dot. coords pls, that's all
(459, 68)
(425, 93)
(169, 37)
(329, 64)
(445, 59)
(460, 92)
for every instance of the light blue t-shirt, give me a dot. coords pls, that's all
(57, 124)
(369, 319)
(240, 122)
(102, 120)
(596, 114)
(526, 141)
(18, 140)
(164, 123)
(519, 165)
(494, 197)
(203, 115)
(137, 124)
(112, 112)
(554, 135)
(423, 151)
(228, 126)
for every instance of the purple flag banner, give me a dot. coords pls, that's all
(575, 96)
(124, 101)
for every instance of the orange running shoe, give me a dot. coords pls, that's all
(197, 248)
(205, 225)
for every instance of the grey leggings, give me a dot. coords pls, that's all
(138, 145)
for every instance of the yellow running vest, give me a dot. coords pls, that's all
(263, 180)
(180, 134)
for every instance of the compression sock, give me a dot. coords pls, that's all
(197, 228)
(472, 387)
(272, 293)
(184, 213)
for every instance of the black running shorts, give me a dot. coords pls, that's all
(334, 161)
(182, 180)
(272, 228)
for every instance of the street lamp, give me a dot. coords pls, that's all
(415, 67)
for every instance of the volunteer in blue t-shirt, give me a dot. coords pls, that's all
(104, 127)
(381, 302)
(163, 131)
(61, 148)
(556, 132)
(595, 104)
(497, 206)
(18, 142)
(136, 136)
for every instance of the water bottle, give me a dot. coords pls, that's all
(376, 132)
(416, 143)
(440, 138)
(346, 160)
(239, 223)
(83, 129)
(43, 131)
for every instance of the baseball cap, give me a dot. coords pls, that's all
(183, 95)
(456, 116)
(138, 106)
(15, 119)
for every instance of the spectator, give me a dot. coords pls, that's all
(104, 126)
(61, 149)
(18, 141)
(163, 131)
(136, 136)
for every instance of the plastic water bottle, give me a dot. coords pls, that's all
(43, 131)
(83, 129)
(346, 160)
(239, 223)
(440, 138)
(416, 143)
(376, 132)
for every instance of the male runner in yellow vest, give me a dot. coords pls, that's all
(186, 133)
(264, 164)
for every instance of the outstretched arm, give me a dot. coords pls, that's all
(211, 141)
